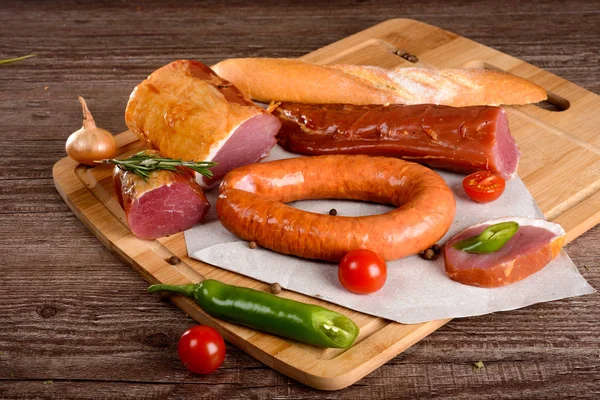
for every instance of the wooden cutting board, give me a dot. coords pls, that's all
(560, 165)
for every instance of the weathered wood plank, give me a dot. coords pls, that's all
(96, 345)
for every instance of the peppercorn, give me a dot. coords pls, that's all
(428, 254)
(431, 253)
(174, 260)
(275, 288)
(333, 211)
(252, 245)
(407, 56)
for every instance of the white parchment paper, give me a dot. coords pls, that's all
(416, 290)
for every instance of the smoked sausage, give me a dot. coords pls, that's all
(460, 139)
(251, 206)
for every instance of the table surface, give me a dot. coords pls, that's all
(77, 321)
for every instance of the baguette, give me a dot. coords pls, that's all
(281, 79)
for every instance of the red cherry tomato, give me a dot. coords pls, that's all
(484, 186)
(362, 271)
(201, 349)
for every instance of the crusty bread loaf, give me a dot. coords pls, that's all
(279, 79)
(282, 79)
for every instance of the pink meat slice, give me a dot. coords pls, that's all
(505, 152)
(249, 143)
(528, 251)
(527, 239)
(166, 210)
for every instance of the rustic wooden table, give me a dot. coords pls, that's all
(77, 321)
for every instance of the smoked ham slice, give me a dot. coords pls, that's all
(166, 203)
(185, 111)
(536, 243)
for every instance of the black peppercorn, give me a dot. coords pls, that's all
(431, 253)
(174, 260)
(275, 288)
(407, 56)
(428, 254)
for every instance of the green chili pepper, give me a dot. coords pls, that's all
(492, 239)
(265, 312)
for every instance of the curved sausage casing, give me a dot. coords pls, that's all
(251, 206)
(460, 139)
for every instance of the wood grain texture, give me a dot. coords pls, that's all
(74, 314)
(89, 193)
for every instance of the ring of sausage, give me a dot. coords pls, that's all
(251, 206)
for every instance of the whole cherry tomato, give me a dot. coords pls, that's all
(484, 186)
(362, 271)
(201, 349)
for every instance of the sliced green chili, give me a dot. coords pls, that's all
(492, 239)
(262, 311)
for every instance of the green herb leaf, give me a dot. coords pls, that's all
(492, 239)
(143, 164)
(12, 60)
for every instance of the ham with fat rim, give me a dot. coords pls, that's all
(185, 111)
(534, 245)
(166, 203)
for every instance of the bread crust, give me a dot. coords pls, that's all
(280, 79)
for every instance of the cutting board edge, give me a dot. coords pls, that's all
(67, 181)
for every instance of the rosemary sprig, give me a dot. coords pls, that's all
(143, 164)
(11, 60)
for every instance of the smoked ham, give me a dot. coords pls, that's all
(185, 111)
(167, 202)
(535, 244)
(460, 139)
